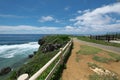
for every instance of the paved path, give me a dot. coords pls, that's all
(104, 47)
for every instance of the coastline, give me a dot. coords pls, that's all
(45, 52)
(15, 50)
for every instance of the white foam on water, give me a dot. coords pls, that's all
(9, 51)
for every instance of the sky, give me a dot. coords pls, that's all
(59, 16)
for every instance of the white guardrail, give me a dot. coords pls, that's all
(61, 53)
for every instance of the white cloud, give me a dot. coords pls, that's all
(69, 28)
(11, 16)
(67, 8)
(99, 19)
(87, 10)
(26, 29)
(57, 21)
(79, 11)
(118, 21)
(46, 18)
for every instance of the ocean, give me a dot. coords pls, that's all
(15, 48)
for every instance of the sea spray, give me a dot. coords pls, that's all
(11, 54)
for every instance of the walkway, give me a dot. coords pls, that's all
(104, 47)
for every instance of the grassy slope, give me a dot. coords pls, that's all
(84, 38)
(40, 58)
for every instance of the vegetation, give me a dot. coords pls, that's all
(40, 59)
(115, 57)
(88, 50)
(77, 58)
(92, 65)
(86, 38)
(101, 59)
(96, 76)
(46, 72)
(102, 77)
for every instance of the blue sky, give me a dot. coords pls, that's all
(59, 16)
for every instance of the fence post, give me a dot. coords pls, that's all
(23, 77)
(61, 56)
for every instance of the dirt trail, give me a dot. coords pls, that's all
(77, 64)
(75, 70)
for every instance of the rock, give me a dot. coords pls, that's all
(41, 41)
(35, 52)
(30, 56)
(5, 70)
(50, 47)
(57, 46)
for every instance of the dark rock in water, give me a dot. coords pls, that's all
(5, 70)
(35, 52)
(30, 56)
(41, 41)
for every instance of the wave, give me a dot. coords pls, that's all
(9, 51)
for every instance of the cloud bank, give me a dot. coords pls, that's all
(25, 29)
(101, 19)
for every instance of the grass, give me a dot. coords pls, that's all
(102, 77)
(101, 59)
(77, 59)
(95, 76)
(113, 57)
(88, 50)
(47, 71)
(92, 65)
(116, 57)
(84, 38)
